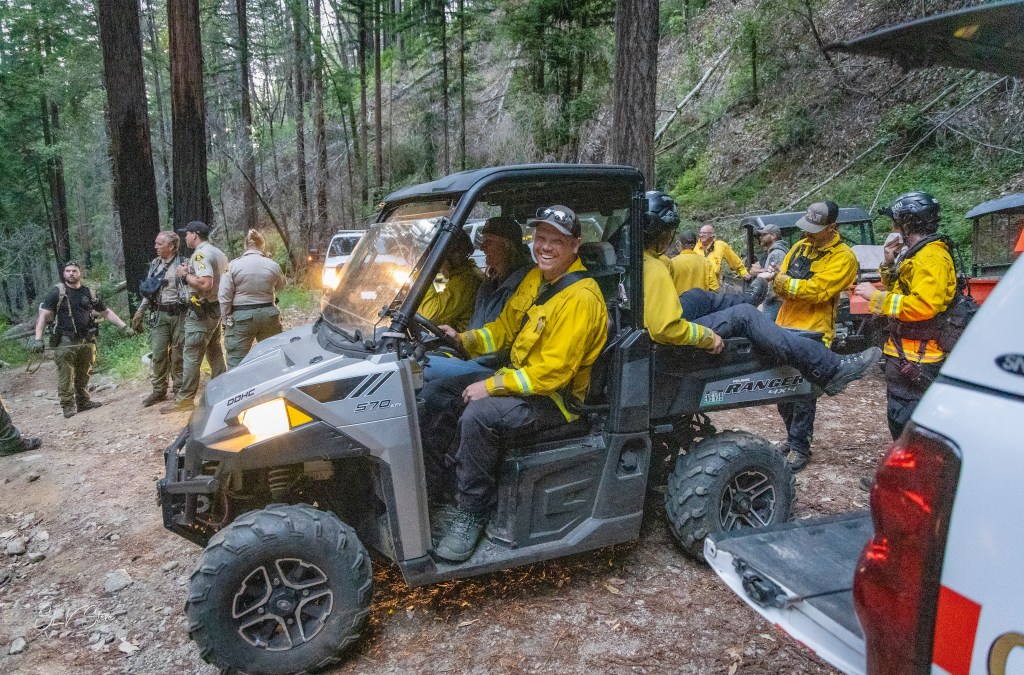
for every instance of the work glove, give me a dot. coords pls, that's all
(137, 321)
(36, 346)
(128, 331)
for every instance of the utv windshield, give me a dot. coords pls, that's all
(380, 267)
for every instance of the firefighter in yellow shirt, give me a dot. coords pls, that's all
(813, 274)
(724, 315)
(920, 282)
(555, 324)
(454, 305)
(689, 269)
(716, 251)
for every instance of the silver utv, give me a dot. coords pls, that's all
(305, 459)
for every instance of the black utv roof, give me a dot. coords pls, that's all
(988, 37)
(787, 221)
(1007, 203)
(457, 183)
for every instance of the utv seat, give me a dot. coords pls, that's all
(590, 411)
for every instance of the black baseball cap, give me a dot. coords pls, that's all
(197, 226)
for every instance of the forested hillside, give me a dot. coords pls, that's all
(316, 109)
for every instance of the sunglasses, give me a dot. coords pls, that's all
(557, 215)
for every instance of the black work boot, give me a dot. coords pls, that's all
(463, 534)
(89, 405)
(852, 367)
(756, 292)
(24, 445)
(154, 397)
(797, 459)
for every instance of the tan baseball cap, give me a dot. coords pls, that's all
(819, 216)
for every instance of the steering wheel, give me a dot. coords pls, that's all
(447, 342)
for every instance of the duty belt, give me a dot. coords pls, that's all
(171, 310)
(260, 305)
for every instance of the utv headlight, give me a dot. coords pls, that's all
(330, 277)
(272, 418)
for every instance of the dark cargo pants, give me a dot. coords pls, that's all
(166, 338)
(249, 326)
(478, 435)
(202, 338)
(903, 394)
(730, 316)
(74, 366)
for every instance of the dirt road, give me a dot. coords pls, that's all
(86, 502)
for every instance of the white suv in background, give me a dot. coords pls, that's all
(338, 253)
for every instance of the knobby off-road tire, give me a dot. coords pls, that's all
(285, 589)
(729, 481)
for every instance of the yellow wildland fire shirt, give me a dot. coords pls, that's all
(810, 304)
(663, 315)
(720, 251)
(689, 270)
(921, 287)
(553, 351)
(454, 305)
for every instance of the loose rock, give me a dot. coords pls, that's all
(117, 580)
(169, 565)
(16, 546)
(18, 646)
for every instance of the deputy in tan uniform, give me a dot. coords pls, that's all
(200, 277)
(166, 319)
(247, 299)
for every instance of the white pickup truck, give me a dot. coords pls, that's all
(932, 578)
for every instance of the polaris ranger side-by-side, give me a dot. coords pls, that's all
(307, 455)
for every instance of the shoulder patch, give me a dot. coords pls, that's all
(198, 256)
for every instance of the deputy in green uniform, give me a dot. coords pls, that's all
(247, 299)
(75, 308)
(166, 321)
(201, 278)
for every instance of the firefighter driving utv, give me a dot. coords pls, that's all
(309, 452)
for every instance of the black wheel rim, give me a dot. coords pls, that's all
(749, 500)
(282, 604)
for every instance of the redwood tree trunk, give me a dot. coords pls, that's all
(319, 130)
(248, 161)
(128, 120)
(55, 179)
(191, 192)
(378, 127)
(636, 76)
(300, 122)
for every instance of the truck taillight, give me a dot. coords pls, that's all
(896, 586)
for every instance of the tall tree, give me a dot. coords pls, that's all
(319, 128)
(156, 64)
(635, 84)
(378, 127)
(298, 22)
(191, 191)
(245, 124)
(128, 119)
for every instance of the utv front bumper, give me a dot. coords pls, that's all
(184, 491)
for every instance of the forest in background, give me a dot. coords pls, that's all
(348, 100)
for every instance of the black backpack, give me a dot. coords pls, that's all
(151, 285)
(947, 326)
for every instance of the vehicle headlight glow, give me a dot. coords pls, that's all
(272, 418)
(330, 277)
(400, 276)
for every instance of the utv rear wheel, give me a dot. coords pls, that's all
(285, 589)
(730, 481)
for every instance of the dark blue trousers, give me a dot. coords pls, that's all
(730, 316)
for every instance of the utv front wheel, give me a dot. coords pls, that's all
(729, 481)
(285, 589)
